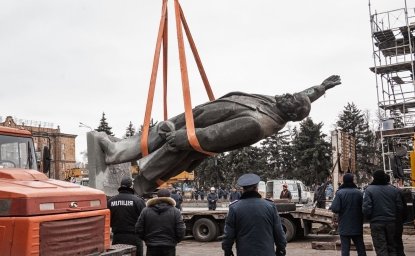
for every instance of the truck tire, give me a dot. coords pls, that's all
(289, 228)
(205, 230)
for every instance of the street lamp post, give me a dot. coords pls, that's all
(85, 126)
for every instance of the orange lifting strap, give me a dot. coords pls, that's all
(162, 37)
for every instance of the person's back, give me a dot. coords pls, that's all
(348, 205)
(349, 210)
(161, 225)
(125, 209)
(254, 231)
(261, 230)
(381, 203)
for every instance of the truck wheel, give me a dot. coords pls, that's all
(289, 228)
(205, 230)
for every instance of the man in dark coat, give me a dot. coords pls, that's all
(381, 205)
(161, 225)
(253, 223)
(233, 121)
(177, 198)
(234, 195)
(348, 205)
(212, 198)
(125, 209)
(285, 193)
(401, 217)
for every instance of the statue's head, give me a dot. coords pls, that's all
(295, 106)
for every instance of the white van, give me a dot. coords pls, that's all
(296, 187)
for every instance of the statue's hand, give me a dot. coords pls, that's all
(177, 140)
(331, 81)
(171, 141)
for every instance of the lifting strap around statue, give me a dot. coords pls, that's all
(162, 37)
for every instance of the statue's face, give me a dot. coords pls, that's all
(295, 107)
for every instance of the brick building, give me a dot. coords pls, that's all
(61, 145)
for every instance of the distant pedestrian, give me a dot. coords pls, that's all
(234, 195)
(202, 193)
(220, 193)
(225, 193)
(161, 225)
(253, 223)
(125, 209)
(329, 191)
(381, 205)
(348, 205)
(285, 193)
(212, 199)
(177, 198)
(320, 196)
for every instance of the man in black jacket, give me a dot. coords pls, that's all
(177, 198)
(348, 204)
(125, 209)
(161, 225)
(253, 223)
(212, 198)
(234, 195)
(381, 205)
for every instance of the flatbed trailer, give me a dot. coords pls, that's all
(206, 226)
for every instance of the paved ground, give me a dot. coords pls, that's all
(299, 247)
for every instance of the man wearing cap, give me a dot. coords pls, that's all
(381, 205)
(348, 205)
(253, 223)
(285, 193)
(125, 209)
(212, 198)
(161, 225)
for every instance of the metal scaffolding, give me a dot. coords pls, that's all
(393, 47)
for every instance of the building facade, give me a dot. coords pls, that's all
(61, 146)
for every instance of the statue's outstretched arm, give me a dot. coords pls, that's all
(317, 91)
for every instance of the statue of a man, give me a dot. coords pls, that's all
(233, 121)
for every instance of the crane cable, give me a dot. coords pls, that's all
(162, 38)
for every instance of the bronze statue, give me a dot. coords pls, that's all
(233, 121)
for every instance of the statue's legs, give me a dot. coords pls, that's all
(129, 149)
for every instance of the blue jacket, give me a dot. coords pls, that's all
(254, 224)
(382, 203)
(348, 204)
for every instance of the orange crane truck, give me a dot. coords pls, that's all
(42, 216)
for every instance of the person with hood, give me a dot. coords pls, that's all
(348, 205)
(212, 198)
(161, 225)
(381, 205)
(253, 223)
(125, 209)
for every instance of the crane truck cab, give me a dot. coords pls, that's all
(42, 216)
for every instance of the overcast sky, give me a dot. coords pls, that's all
(67, 61)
